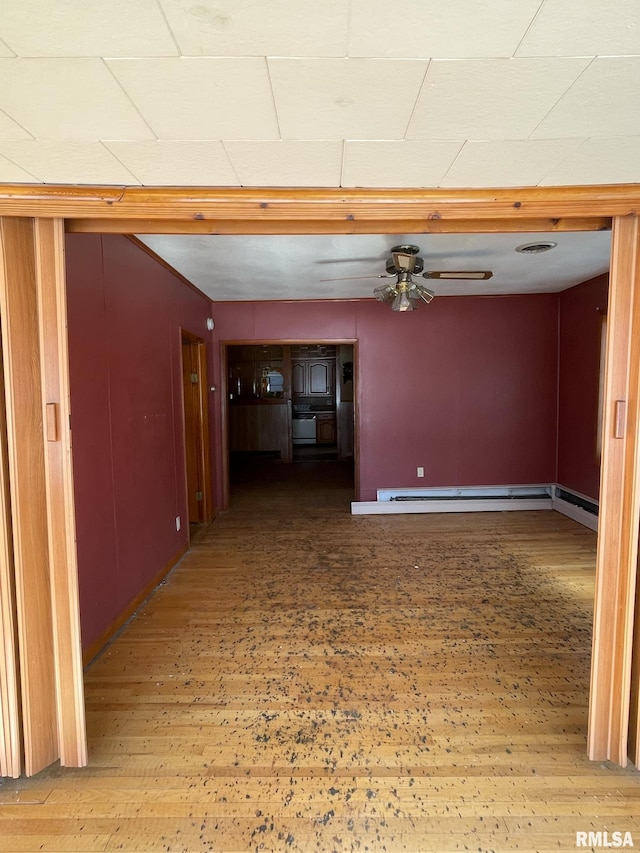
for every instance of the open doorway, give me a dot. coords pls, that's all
(290, 412)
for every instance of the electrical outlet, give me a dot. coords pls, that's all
(419, 472)
(178, 522)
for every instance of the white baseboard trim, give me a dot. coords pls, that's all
(576, 513)
(401, 507)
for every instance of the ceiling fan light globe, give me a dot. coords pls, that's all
(425, 294)
(386, 293)
(402, 302)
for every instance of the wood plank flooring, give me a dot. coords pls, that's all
(311, 681)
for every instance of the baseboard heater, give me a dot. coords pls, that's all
(459, 499)
(482, 499)
(576, 506)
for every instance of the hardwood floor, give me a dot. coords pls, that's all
(311, 681)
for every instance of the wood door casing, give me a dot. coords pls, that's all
(10, 739)
(44, 570)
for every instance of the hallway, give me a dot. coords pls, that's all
(308, 680)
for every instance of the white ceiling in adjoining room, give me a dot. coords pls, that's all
(266, 267)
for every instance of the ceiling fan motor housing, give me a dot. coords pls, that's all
(415, 264)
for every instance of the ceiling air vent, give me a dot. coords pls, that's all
(535, 248)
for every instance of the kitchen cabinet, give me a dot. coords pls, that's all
(313, 377)
(325, 428)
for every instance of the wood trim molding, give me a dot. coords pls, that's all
(10, 726)
(619, 505)
(25, 439)
(287, 223)
(129, 210)
(54, 364)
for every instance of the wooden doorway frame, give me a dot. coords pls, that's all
(137, 210)
(41, 537)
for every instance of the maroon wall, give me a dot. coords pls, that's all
(581, 312)
(464, 387)
(125, 315)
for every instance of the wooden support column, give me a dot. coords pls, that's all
(33, 324)
(52, 312)
(10, 729)
(21, 351)
(619, 505)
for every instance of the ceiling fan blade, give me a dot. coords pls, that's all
(355, 277)
(475, 275)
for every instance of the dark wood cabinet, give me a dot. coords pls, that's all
(325, 428)
(299, 378)
(313, 377)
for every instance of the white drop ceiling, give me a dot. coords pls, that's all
(301, 93)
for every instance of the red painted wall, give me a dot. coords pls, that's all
(464, 387)
(125, 315)
(581, 315)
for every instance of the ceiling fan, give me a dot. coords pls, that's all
(405, 294)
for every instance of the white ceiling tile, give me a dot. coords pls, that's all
(585, 28)
(68, 99)
(197, 99)
(345, 98)
(432, 28)
(604, 101)
(183, 163)
(5, 50)
(67, 162)
(286, 163)
(85, 28)
(490, 98)
(11, 173)
(10, 130)
(251, 28)
(600, 161)
(508, 163)
(397, 164)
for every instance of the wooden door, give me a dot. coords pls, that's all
(196, 429)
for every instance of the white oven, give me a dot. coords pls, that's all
(303, 427)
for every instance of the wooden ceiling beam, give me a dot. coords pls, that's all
(218, 210)
(367, 226)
